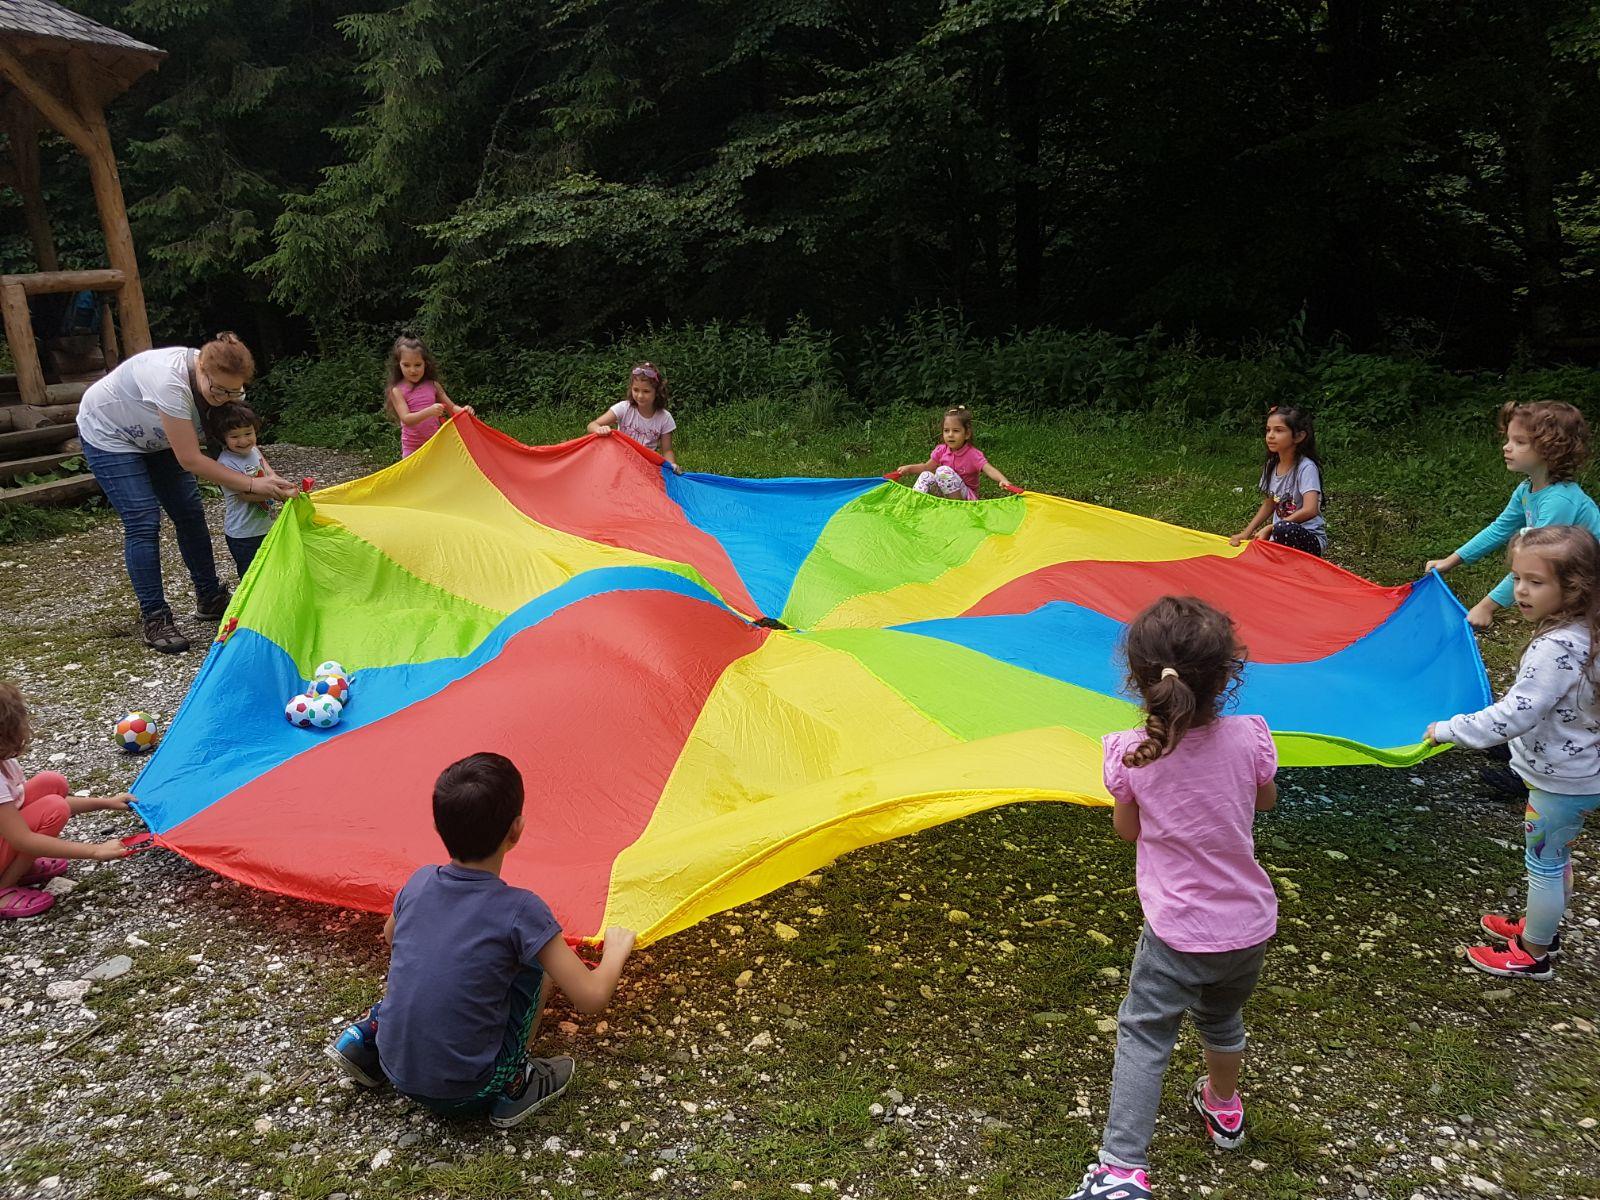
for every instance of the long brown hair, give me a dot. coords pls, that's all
(1574, 556)
(1184, 660)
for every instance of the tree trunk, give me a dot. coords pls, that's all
(1535, 167)
(1022, 104)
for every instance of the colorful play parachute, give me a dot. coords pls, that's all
(611, 627)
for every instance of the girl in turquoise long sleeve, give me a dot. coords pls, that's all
(1549, 443)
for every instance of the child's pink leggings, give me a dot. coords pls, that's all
(44, 808)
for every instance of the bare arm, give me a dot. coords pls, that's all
(388, 930)
(589, 991)
(1125, 820)
(186, 446)
(604, 423)
(666, 453)
(910, 468)
(83, 804)
(1248, 532)
(405, 416)
(1310, 506)
(28, 844)
(1267, 796)
(451, 408)
(997, 475)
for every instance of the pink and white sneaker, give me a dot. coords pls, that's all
(1224, 1119)
(1511, 962)
(1503, 929)
(1103, 1182)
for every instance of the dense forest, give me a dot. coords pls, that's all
(1396, 176)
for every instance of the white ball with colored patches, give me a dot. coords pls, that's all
(314, 712)
(331, 667)
(137, 732)
(336, 686)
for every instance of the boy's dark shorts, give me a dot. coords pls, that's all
(525, 989)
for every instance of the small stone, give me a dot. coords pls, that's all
(957, 916)
(744, 978)
(1336, 855)
(1482, 1186)
(1587, 1122)
(658, 1175)
(1257, 1165)
(263, 1125)
(68, 991)
(786, 933)
(407, 1140)
(1109, 973)
(157, 1178)
(1094, 935)
(137, 942)
(1106, 1024)
(112, 968)
(381, 1158)
(570, 1028)
(552, 1145)
(1437, 1163)
(760, 1041)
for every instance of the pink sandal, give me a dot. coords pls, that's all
(20, 903)
(44, 870)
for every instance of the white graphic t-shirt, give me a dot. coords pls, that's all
(121, 413)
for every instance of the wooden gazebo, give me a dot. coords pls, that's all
(60, 69)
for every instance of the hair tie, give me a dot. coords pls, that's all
(1169, 672)
(648, 373)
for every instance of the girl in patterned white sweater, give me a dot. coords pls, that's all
(1551, 717)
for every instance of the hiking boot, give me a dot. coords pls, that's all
(1504, 783)
(212, 607)
(540, 1081)
(1513, 962)
(1224, 1119)
(1503, 929)
(356, 1052)
(1102, 1182)
(161, 634)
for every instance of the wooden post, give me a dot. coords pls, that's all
(83, 121)
(108, 199)
(22, 126)
(24, 353)
(108, 335)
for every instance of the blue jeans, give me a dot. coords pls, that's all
(1553, 820)
(244, 550)
(139, 486)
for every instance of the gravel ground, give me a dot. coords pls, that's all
(843, 1036)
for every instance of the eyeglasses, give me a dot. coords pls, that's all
(222, 393)
(647, 373)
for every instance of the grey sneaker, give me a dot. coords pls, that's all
(161, 634)
(542, 1080)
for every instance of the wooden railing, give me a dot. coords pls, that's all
(14, 293)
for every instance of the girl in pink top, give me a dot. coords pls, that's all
(415, 400)
(953, 468)
(1187, 787)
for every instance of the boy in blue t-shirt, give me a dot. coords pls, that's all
(470, 965)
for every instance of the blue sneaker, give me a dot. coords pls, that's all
(356, 1052)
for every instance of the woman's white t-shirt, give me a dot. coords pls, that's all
(121, 412)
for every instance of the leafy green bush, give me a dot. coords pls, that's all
(739, 378)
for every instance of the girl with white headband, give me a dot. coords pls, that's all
(643, 416)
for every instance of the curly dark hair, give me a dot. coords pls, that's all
(1558, 431)
(1184, 660)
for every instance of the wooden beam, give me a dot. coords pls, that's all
(44, 282)
(108, 337)
(113, 212)
(57, 491)
(24, 352)
(23, 130)
(55, 109)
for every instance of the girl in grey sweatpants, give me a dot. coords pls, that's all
(1187, 787)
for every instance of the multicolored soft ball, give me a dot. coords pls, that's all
(336, 686)
(313, 712)
(137, 732)
(331, 667)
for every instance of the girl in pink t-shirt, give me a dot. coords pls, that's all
(953, 468)
(1187, 787)
(415, 400)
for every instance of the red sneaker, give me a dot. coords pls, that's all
(1504, 929)
(1511, 962)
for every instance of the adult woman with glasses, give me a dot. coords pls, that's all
(140, 427)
